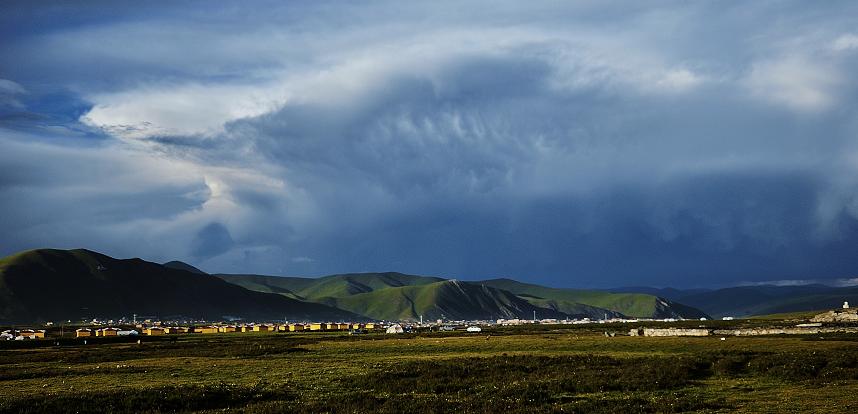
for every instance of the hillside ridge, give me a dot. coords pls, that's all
(53, 284)
(353, 291)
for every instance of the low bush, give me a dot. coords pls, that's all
(164, 399)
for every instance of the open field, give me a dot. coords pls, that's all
(530, 369)
(803, 315)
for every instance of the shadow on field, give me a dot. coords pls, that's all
(125, 351)
(510, 384)
(165, 399)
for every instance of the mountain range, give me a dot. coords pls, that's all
(399, 296)
(741, 301)
(50, 284)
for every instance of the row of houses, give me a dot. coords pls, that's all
(104, 332)
(211, 329)
(22, 334)
(801, 329)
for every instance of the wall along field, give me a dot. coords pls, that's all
(531, 369)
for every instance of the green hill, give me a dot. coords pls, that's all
(400, 296)
(356, 283)
(397, 296)
(446, 299)
(333, 286)
(271, 284)
(49, 284)
(637, 305)
(267, 284)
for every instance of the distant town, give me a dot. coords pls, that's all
(97, 328)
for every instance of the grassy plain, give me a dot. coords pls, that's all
(532, 369)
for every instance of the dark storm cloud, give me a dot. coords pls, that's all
(211, 240)
(590, 144)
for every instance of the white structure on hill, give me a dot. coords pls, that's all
(395, 329)
(837, 315)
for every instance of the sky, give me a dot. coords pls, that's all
(569, 143)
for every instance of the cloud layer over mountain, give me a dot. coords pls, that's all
(584, 144)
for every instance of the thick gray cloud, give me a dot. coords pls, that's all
(212, 240)
(591, 144)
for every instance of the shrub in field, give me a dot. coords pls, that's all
(164, 399)
(538, 376)
(828, 365)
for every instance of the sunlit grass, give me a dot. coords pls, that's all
(551, 370)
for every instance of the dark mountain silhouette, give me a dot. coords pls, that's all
(47, 284)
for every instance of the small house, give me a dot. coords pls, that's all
(317, 326)
(369, 326)
(154, 331)
(227, 329)
(31, 334)
(82, 333)
(296, 327)
(104, 332)
(261, 328)
(206, 329)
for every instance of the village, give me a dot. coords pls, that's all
(98, 328)
(110, 328)
(157, 328)
(834, 321)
